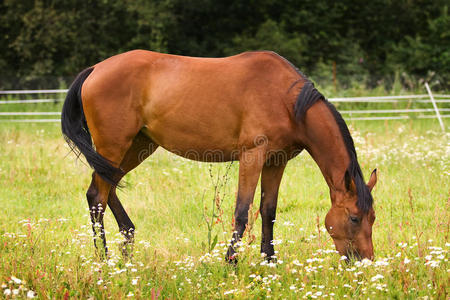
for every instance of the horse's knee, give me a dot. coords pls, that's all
(268, 212)
(241, 217)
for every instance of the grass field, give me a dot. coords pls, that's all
(46, 248)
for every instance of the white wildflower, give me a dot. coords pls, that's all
(230, 292)
(432, 263)
(376, 277)
(31, 294)
(16, 280)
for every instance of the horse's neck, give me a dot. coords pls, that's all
(324, 141)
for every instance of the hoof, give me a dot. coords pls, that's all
(127, 250)
(102, 253)
(269, 258)
(232, 259)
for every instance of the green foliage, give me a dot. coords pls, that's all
(270, 36)
(46, 43)
(56, 40)
(427, 54)
(215, 215)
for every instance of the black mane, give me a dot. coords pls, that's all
(310, 95)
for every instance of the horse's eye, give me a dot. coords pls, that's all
(355, 220)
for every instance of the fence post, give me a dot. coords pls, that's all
(435, 106)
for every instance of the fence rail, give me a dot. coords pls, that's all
(31, 101)
(408, 113)
(22, 92)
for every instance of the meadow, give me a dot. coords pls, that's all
(46, 248)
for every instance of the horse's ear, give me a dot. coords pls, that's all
(372, 180)
(349, 183)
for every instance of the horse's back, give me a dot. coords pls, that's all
(208, 103)
(248, 66)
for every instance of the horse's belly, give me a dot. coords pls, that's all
(190, 141)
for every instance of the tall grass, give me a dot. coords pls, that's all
(46, 247)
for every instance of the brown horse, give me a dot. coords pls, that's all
(254, 107)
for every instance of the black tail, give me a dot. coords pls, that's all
(76, 132)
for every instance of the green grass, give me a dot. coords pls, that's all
(45, 234)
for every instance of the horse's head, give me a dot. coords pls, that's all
(348, 225)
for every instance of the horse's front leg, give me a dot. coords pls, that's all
(270, 183)
(250, 166)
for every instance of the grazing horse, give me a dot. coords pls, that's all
(255, 107)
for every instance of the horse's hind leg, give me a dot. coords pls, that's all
(113, 148)
(141, 148)
(96, 200)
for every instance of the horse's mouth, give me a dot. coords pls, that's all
(353, 254)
